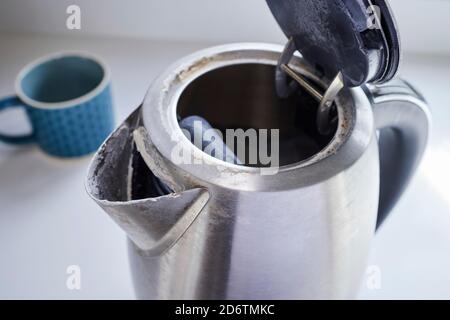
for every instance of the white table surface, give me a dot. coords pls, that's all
(47, 221)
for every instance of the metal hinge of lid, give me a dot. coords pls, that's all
(326, 99)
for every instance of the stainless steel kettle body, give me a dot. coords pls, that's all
(239, 232)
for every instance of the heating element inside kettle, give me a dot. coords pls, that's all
(286, 88)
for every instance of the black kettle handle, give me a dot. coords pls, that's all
(403, 120)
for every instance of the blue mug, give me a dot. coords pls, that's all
(67, 98)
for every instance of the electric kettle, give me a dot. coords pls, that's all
(349, 138)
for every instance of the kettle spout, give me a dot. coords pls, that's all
(121, 183)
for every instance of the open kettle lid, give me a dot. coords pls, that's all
(358, 38)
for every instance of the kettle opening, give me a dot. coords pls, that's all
(243, 96)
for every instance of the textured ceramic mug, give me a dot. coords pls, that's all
(67, 98)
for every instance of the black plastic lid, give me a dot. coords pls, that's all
(357, 37)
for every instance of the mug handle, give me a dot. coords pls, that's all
(403, 120)
(14, 102)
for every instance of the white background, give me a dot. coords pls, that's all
(47, 222)
(424, 23)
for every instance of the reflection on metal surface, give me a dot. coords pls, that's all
(436, 169)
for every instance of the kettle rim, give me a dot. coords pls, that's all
(159, 113)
